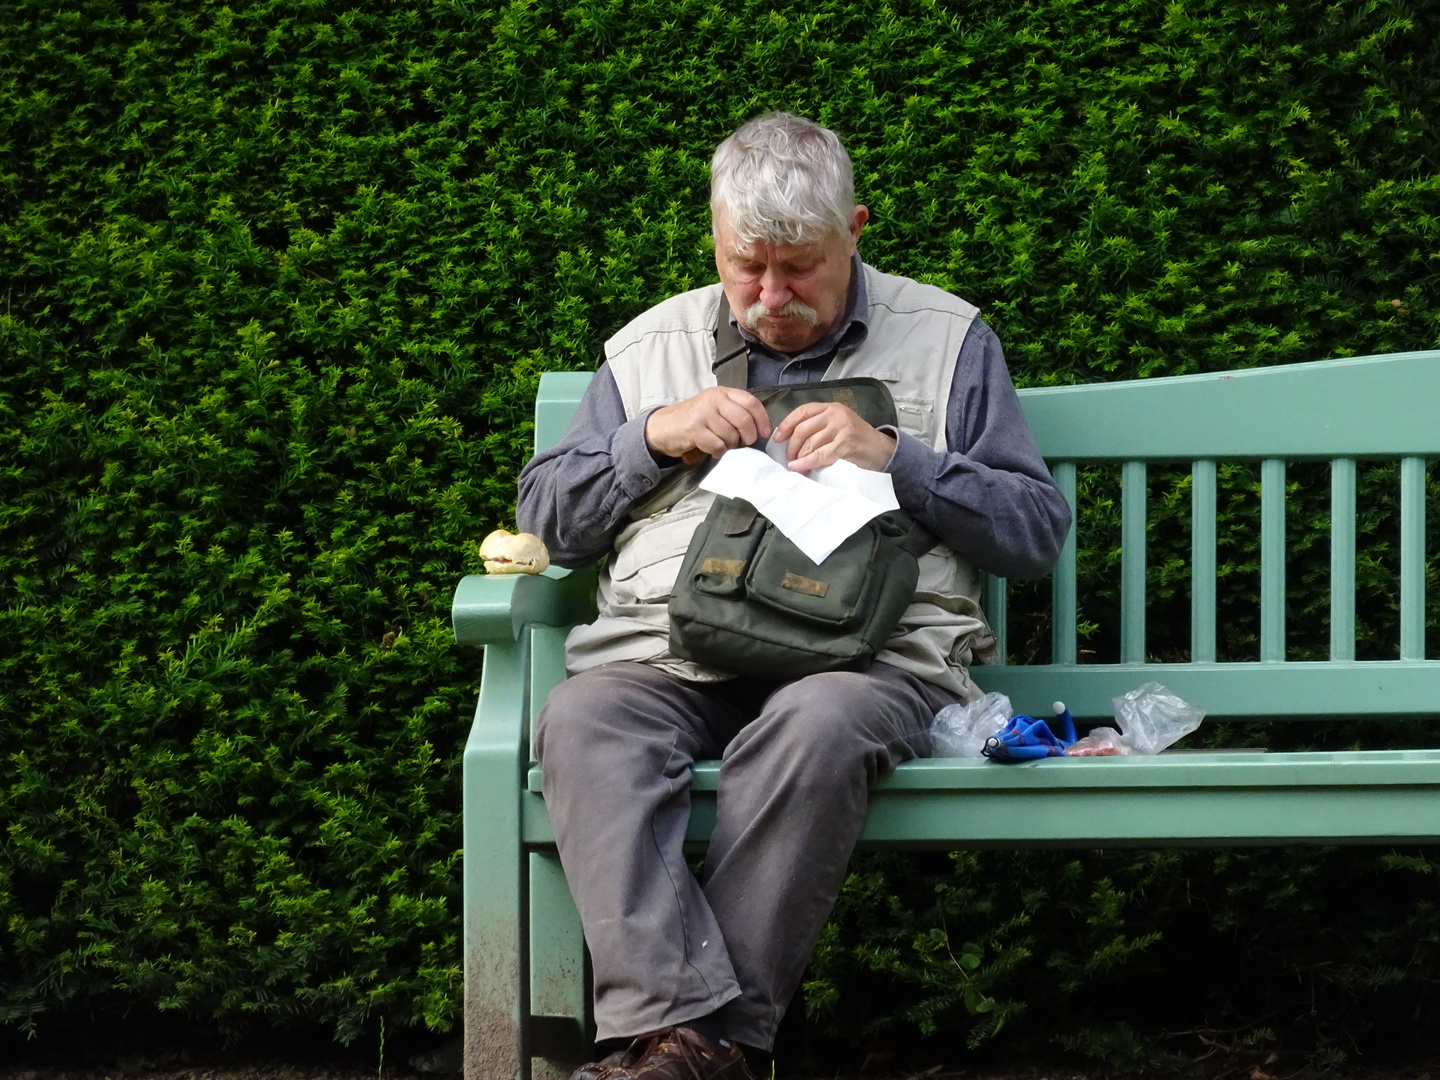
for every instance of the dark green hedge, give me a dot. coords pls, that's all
(279, 278)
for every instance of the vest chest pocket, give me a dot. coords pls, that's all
(648, 556)
(917, 417)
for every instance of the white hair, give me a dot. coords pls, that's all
(782, 179)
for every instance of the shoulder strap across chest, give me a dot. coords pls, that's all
(732, 355)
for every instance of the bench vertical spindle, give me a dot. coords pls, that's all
(1272, 559)
(1412, 558)
(1132, 563)
(1063, 605)
(1342, 559)
(994, 604)
(1202, 561)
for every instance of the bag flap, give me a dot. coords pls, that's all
(869, 398)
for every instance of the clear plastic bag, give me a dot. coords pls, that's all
(1151, 717)
(961, 730)
(1101, 742)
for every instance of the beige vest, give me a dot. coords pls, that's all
(666, 355)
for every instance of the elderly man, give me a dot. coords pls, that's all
(687, 973)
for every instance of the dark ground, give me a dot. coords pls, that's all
(282, 1070)
(116, 1052)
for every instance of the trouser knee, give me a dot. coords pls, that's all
(834, 723)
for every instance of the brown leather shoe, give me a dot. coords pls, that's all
(610, 1067)
(682, 1053)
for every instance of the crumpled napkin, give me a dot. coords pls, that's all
(816, 512)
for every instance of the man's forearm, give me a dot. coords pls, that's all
(576, 495)
(1005, 522)
(990, 497)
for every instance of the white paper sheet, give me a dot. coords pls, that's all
(816, 512)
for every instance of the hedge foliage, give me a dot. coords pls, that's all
(279, 278)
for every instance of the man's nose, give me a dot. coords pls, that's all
(775, 290)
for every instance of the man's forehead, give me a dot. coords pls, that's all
(763, 251)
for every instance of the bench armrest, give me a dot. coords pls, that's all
(495, 607)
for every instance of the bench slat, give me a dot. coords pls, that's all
(1174, 799)
(993, 602)
(1317, 410)
(1159, 817)
(1199, 769)
(1302, 690)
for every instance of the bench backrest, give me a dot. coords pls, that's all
(1336, 411)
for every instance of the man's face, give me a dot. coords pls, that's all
(788, 295)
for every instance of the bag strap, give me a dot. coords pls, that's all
(732, 356)
(918, 540)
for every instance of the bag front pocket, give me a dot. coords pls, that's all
(835, 593)
(733, 529)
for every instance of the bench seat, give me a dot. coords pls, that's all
(1178, 799)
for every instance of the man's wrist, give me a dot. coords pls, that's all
(637, 467)
(911, 470)
(892, 437)
(660, 457)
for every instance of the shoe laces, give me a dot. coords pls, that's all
(682, 1042)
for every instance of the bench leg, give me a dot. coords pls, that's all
(496, 756)
(560, 1036)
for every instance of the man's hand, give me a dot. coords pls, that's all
(717, 419)
(821, 433)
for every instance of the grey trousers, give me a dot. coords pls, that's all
(616, 744)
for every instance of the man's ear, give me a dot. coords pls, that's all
(858, 217)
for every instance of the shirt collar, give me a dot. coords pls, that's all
(849, 333)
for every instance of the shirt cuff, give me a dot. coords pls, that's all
(911, 469)
(894, 433)
(635, 468)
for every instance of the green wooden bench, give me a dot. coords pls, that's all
(525, 993)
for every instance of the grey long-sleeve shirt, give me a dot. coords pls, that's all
(990, 497)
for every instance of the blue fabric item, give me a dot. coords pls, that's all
(1024, 738)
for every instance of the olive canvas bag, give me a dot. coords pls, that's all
(748, 601)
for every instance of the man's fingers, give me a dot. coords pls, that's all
(808, 430)
(742, 421)
(722, 418)
(722, 426)
(759, 418)
(711, 422)
(829, 433)
(811, 435)
(813, 455)
(786, 428)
